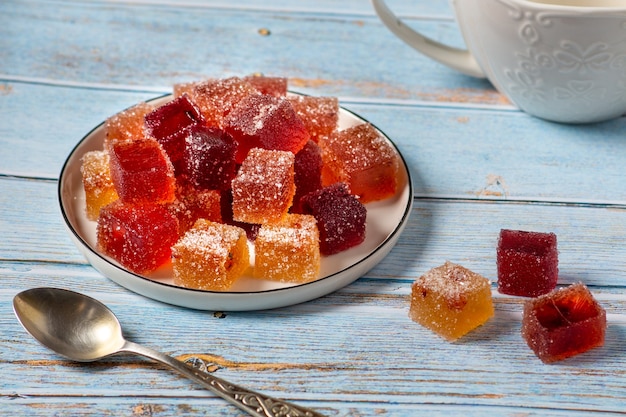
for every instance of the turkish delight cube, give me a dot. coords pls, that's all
(170, 123)
(209, 158)
(97, 182)
(210, 256)
(192, 204)
(341, 217)
(451, 300)
(268, 122)
(264, 187)
(307, 173)
(320, 115)
(127, 124)
(563, 323)
(216, 98)
(141, 171)
(288, 251)
(273, 86)
(361, 157)
(527, 262)
(138, 236)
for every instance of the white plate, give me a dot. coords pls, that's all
(385, 221)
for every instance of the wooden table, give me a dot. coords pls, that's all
(477, 164)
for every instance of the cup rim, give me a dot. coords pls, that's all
(592, 8)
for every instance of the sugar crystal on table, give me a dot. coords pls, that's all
(138, 236)
(362, 158)
(209, 158)
(563, 323)
(288, 251)
(307, 173)
(451, 300)
(170, 123)
(273, 86)
(217, 98)
(192, 204)
(527, 262)
(268, 122)
(141, 171)
(320, 115)
(210, 256)
(341, 217)
(127, 124)
(263, 189)
(97, 182)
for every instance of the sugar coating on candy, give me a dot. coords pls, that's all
(288, 251)
(127, 124)
(209, 158)
(563, 323)
(216, 98)
(192, 204)
(527, 262)
(210, 256)
(451, 300)
(320, 115)
(307, 173)
(268, 122)
(341, 217)
(263, 189)
(362, 158)
(170, 123)
(97, 182)
(138, 236)
(141, 171)
(273, 86)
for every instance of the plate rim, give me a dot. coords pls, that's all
(387, 243)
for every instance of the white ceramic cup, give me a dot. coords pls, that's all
(560, 60)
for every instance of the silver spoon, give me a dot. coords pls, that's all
(83, 329)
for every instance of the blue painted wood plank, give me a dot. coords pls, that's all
(131, 44)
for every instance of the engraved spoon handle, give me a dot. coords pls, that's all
(256, 404)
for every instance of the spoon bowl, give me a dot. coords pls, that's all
(83, 329)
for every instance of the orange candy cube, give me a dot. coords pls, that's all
(451, 300)
(127, 124)
(288, 251)
(210, 256)
(97, 182)
(361, 157)
(264, 187)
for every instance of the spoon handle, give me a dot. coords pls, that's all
(256, 404)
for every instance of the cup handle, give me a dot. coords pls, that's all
(459, 59)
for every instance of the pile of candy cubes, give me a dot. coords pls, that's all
(229, 163)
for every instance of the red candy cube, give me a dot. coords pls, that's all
(307, 173)
(192, 204)
(563, 323)
(268, 122)
(319, 114)
(340, 217)
(138, 236)
(209, 158)
(171, 123)
(141, 171)
(527, 263)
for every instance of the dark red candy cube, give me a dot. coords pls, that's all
(209, 158)
(307, 173)
(138, 236)
(141, 171)
(340, 217)
(563, 323)
(170, 123)
(267, 122)
(527, 262)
